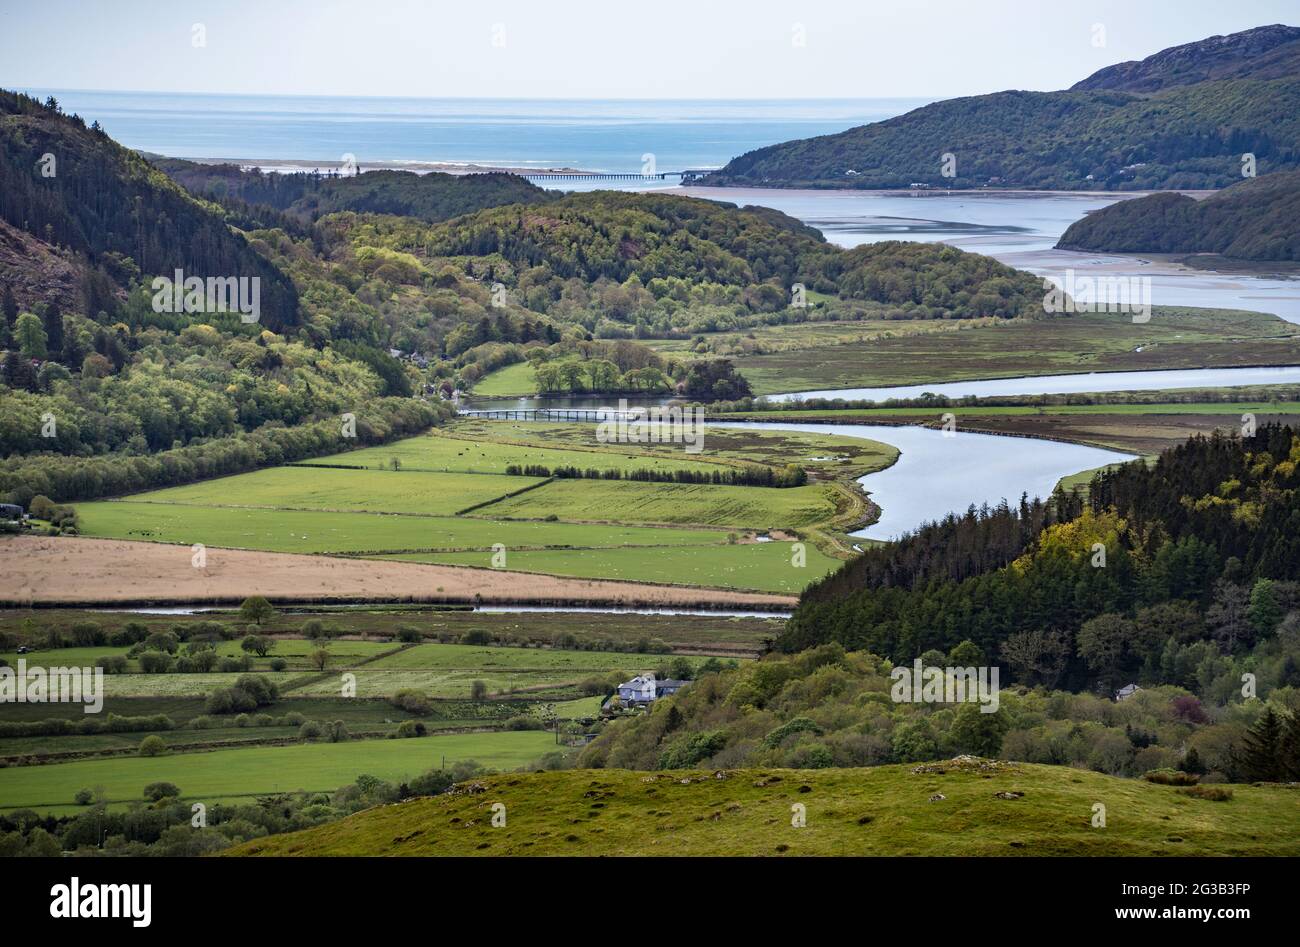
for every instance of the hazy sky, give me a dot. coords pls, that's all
(581, 49)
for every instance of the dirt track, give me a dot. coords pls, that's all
(66, 570)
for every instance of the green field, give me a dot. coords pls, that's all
(449, 501)
(765, 567)
(677, 503)
(370, 491)
(450, 670)
(262, 770)
(721, 635)
(886, 810)
(319, 532)
(488, 447)
(517, 379)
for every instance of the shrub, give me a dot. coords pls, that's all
(87, 634)
(410, 728)
(235, 665)
(478, 690)
(153, 745)
(161, 790)
(1171, 777)
(112, 663)
(311, 730)
(204, 661)
(249, 692)
(409, 635)
(477, 636)
(524, 722)
(155, 662)
(1212, 793)
(162, 641)
(84, 797)
(413, 702)
(279, 664)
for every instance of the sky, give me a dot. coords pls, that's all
(583, 49)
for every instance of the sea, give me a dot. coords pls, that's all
(612, 136)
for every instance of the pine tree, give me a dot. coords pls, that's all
(1260, 756)
(1289, 747)
(9, 305)
(54, 329)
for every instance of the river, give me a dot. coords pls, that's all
(1019, 229)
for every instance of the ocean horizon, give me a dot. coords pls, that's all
(610, 135)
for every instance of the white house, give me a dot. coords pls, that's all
(644, 689)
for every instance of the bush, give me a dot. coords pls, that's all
(311, 730)
(153, 745)
(87, 634)
(279, 664)
(155, 662)
(524, 722)
(84, 797)
(161, 790)
(409, 635)
(1171, 777)
(249, 692)
(410, 728)
(478, 690)
(478, 636)
(112, 663)
(235, 665)
(1212, 793)
(413, 702)
(162, 641)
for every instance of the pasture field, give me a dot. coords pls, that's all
(676, 503)
(830, 455)
(355, 533)
(765, 567)
(450, 495)
(884, 810)
(262, 770)
(517, 379)
(450, 671)
(367, 491)
(1083, 342)
(490, 446)
(721, 635)
(381, 669)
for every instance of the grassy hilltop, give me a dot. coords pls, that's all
(885, 810)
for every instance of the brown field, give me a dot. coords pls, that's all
(68, 570)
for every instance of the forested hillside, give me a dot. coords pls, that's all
(1266, 52)
(74, 187)
(1092, 137)
(1255, 219)
(1180, 578)
(1199, 543)
(308, 196)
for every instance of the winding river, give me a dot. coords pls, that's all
(938, 473)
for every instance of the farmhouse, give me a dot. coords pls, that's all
(644, 688)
